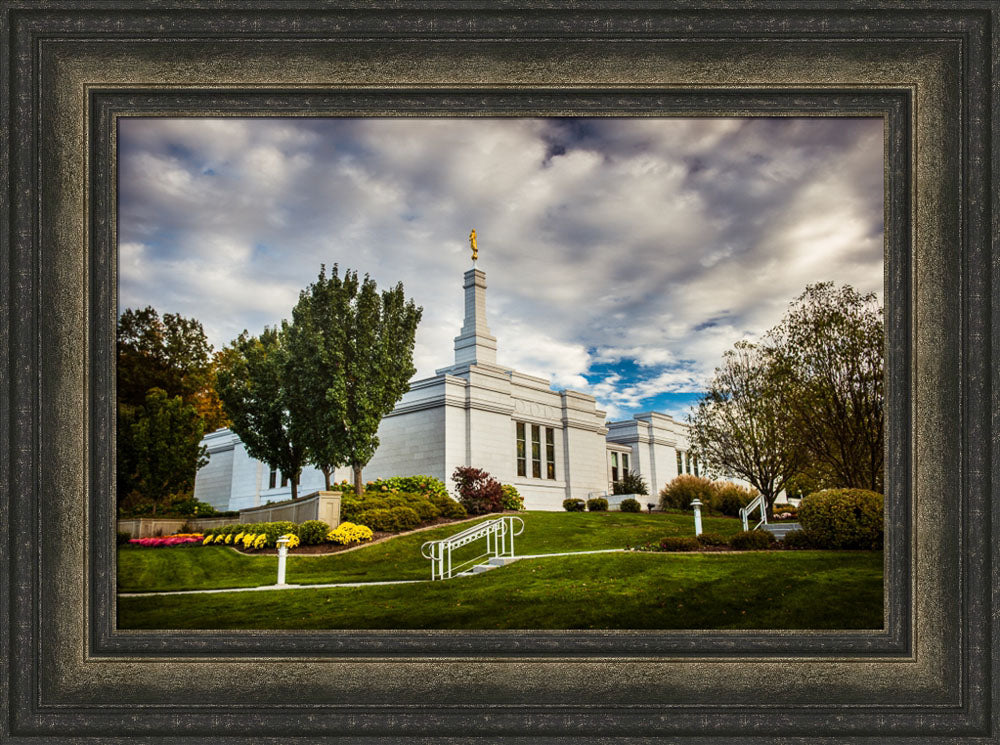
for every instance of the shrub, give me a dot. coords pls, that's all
(728, 498)
(123, 538)
(377, 519)
(796, 539)
(752, 540)
(712, 539)
(631, 483)
(630, 505)
(679, 543)
(597, 504)
(424, 508)
(391, 520)
(404, 518)
(478, 492)
(685, 489)
(843, 518)
(574, 505)
(512, 499)
(448, 506)
(273, 531)
(351, 508)
(347, 533)
(312, 532)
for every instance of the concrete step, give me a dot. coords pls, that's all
(780, 530)
(480, 568)
(502, 561)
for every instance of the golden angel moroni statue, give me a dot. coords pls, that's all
(472, 242)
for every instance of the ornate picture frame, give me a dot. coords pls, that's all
(70, 69)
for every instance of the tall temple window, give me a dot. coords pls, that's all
(614, 468)
(536, 451)
(687, 462)
(550, 453)
(284, 481)
(624, 464)
(522, 467)
(680, 463)
(272, 480)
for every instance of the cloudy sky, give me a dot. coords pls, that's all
(622, 256)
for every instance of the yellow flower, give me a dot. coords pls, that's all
(260, 541)
(208, 539)
(239, 537)
(229, 538)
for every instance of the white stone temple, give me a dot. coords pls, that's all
(549, 444)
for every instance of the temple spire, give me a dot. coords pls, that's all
(475, 344)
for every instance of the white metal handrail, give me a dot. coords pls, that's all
(499, 534)
(758, 503)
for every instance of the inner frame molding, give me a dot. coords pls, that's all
(73, 68)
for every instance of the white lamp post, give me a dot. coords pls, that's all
(696, 504)
(282, 555)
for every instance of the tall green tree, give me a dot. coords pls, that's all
(170, 353)
(830, 346)
(350, 362)
(739, 427)
(255, 398)
(166, 439)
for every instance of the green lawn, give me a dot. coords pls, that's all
(211, 567)
(755, 590)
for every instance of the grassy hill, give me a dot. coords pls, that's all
(213, 567)
(766, 590)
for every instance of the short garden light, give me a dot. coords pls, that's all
(696, 504)
(282, 555)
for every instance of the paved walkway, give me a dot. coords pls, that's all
(270, 587)
(505, 559)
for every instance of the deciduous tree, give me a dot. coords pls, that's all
(254, 396)
(739, 427)
(169, 353)
(830, 347)
(350, 362)
(166, 439)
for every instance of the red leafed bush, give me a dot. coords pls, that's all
(478, 492)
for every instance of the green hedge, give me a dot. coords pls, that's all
(679, 543)
(796, 539)
(597, 504)
(843, 518)
(574, 505)
(389, 520)
(752, 540)
(630, 505)
(713, 539)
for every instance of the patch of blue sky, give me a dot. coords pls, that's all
(677, 404)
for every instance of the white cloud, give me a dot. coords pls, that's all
(649, 240)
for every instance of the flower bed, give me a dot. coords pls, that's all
(179, 539)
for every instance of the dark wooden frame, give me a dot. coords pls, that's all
(69, 69)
